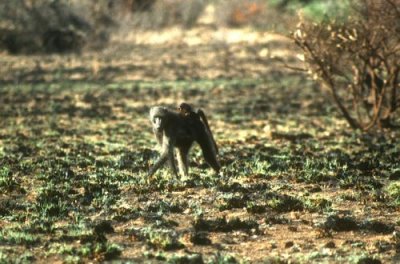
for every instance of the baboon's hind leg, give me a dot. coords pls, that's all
(183, 160)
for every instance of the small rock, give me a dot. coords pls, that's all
(104, 227)
(369, 260)
(200, 238)
(330, 244)
(289, 244)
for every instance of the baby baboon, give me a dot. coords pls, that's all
(193, 119)
(174, 130)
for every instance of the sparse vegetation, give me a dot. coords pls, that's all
(297, 185)
(393, 191)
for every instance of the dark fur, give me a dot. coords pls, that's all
(174, 130)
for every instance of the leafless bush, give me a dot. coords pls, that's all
(358, 61)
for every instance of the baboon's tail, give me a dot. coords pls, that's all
(205, 121)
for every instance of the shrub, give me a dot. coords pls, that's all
(50, 26)
(357, 59)
(61, 26)
(393, 191)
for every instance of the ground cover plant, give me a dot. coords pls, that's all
(298, 185)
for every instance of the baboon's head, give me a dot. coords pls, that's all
(157, 114)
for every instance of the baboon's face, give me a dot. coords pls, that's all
(157, 123)
(156, 116)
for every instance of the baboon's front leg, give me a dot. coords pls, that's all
(167, 153)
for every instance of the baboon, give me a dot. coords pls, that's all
(174, 130)
(193, 119)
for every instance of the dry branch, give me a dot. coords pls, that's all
(358, 60)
